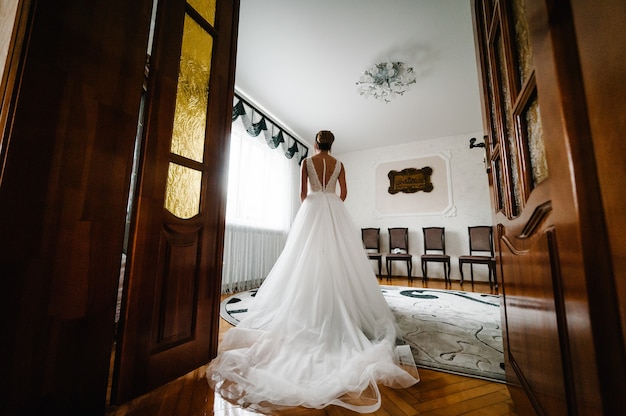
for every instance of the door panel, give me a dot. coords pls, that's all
(69, 118)
(526, 250)
(171, 302)
(564, 342)
(176, 286)
(532, 318)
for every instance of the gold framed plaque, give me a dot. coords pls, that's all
(410, 180)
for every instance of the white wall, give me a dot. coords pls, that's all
(469, 190)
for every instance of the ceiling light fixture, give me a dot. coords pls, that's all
(385, 81)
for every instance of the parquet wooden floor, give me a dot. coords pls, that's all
(437, 393)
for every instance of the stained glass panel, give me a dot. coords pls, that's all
(497, 169)
(192, 93)
(206, 8)
(506, 106)
(522, 41)
(495, 138)
(536, 149)
(182, 194)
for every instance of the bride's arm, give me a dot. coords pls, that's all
(304, 184)
(342, 184)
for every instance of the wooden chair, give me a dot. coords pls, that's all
(371, 242)
(480, 240)
(435, 240)
(399, 250)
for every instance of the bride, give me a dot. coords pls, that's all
(319, 332)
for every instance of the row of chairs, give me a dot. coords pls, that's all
(480, 250)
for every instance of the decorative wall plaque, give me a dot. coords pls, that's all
(410, 180)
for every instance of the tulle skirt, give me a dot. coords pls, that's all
(320, 331)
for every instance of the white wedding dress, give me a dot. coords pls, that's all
(319, 331)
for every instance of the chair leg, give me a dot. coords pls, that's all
(380, 276)
(409, 269)
(472, 272)
(424, 271)
(445, 273)
(388, 263)
(495, 276)
(492, 270)
(461, 270)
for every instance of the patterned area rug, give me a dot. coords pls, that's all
(453, 331)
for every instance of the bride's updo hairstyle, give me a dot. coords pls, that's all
(324, 139)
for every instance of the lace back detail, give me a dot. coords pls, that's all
(314, 179)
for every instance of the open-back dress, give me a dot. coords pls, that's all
(319, 331)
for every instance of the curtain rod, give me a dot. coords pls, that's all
(293, 136)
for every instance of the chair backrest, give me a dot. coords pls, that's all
(399, 238)
(434, 239)
(371, 238)
(481, 238)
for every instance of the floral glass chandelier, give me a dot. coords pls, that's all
(386, 80)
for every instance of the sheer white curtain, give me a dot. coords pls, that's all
(262, 200)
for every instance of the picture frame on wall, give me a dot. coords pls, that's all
(419, 186)
(410, 180)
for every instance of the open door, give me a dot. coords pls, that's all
(170, 307)
(561, 303)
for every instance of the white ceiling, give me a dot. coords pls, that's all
(299, 60)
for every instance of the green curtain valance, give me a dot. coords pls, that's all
(256, 123)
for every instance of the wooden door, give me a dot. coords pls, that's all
(560, 310)
(71, 94)
(170, 309)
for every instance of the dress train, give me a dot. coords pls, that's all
(320, 331)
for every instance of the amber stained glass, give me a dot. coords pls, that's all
(182, 194)
(192, 92)
(206, 9)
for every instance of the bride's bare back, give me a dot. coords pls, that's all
(323, 167)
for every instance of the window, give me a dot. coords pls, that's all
(261, 185)
(262, 200)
